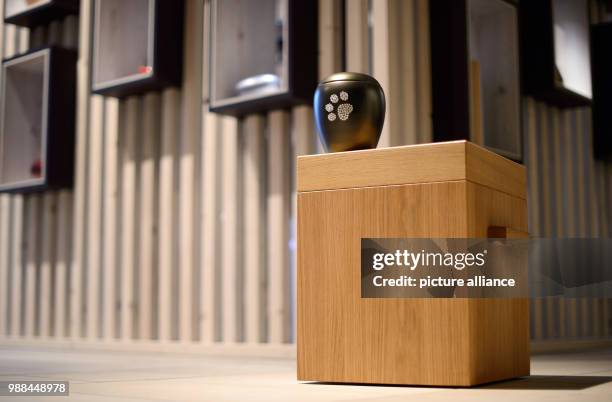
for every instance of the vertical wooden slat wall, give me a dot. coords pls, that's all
(180, 226)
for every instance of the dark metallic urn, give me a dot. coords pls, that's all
(349, 111)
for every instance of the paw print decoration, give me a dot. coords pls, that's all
(343, 110)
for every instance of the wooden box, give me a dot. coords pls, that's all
(451, 189)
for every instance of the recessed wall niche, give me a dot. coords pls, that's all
(29, 13)
(602, 89)
(263, 54)
(556, 61)
(37, 120)
(476, 73)
(137, 46)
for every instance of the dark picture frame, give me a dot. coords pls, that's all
(562, 79)
(137, 46)
(475, 61)
(267, 40)
(37, 120)
(30, 13)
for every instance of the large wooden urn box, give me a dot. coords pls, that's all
(440, 190)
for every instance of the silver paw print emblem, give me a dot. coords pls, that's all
(344, 109)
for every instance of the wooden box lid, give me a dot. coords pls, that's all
(412, 164)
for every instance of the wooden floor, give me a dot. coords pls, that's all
(133, 377)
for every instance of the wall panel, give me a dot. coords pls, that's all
(180, 226)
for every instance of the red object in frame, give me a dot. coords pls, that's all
(144, 69)
(36, 168)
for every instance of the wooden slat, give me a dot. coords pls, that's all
(557, 134)
(330, 39)
(147, 210)
(5, 227)
(423, 66)
(17, 264)
(47, 263)
(279, 209)
(304, 135)
(546, 191)
(230, 258)
(129, 160)
(304, 143)
(70, 32)
(534, 201)
(23, 40)
(54, 33)
(2, 30)
(357, 35)
(167, 205)
(579, 160)
(94, 216)
(381, 57)
(595, 216)
(211, 210)
(209, 308)
(110, 193)
(403, 73)
(10, 40)
(594, 212)
(546, 170)
(393, 66)
(571, 223)
(5, 232)
(189, 162)
(80, 192)
(32, 263)
(40, 36)
(62, 263)
(583, 306)
(254, 227)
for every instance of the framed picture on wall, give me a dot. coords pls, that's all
(476, 73)
(601, 35)
(556, 59)
(37, 120)
(263, 54)
(137, 46)
(29, 13)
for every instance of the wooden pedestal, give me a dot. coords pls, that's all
(453, 189)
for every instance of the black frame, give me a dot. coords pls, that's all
(538, 56)
(167, 63)
(302, 58)
(601, 57)
(46, 11)
(450, 78)
(59, 137)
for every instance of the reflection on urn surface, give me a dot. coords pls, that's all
(349, 111)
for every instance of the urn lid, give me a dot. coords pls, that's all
(346, 76)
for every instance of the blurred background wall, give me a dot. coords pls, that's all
(181, 224)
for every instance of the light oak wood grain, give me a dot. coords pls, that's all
(426, 163)
(451, 342)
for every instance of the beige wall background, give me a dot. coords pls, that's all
(180, 227)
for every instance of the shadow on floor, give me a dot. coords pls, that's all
(551, 382)
(533, 382)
